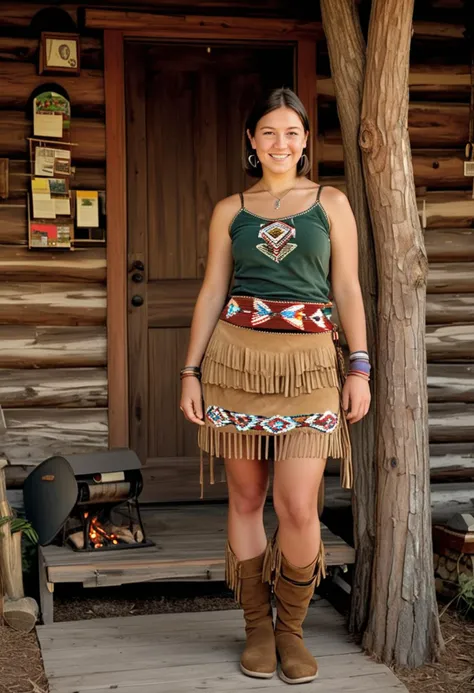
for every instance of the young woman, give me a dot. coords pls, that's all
(264, 376)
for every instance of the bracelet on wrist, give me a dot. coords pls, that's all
(190, 375)
(359, 375)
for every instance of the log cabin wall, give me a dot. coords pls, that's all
(53, 378)
(53, 382)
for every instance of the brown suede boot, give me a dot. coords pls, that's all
(245, 578)
(293, 589)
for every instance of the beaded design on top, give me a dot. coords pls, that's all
(276, 237)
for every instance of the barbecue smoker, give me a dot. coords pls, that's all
(88, 502)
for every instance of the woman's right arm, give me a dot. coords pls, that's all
(210, 302)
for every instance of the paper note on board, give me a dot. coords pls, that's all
(87, 208)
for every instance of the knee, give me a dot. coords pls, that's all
(294, 512)
(248, 499)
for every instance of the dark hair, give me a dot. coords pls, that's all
(277, 98)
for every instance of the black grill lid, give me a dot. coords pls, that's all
(116, 460)
(50, 493)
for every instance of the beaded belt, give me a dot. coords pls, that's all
(284, 316)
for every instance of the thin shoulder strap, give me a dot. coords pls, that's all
(319, 192)
(241, 194)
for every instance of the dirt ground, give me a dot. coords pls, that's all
(20, 659)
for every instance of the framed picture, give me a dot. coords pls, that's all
(59, 53)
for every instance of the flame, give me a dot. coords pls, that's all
(98, 535)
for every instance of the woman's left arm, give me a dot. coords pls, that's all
(347, 294)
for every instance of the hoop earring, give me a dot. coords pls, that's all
(303, 161)
(253, 161)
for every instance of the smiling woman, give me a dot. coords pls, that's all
(264, 375)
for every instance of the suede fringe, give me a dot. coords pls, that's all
(264, 372)
(300, 443)
(233, 578)
(272, 563)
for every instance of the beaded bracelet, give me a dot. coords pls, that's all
(194, 371)
(358, 355)
(359, 375)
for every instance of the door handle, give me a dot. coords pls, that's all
(137, 300)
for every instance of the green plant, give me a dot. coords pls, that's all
(18, 524)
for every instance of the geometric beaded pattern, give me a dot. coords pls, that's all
(325, 423)
(277, 235)
(293, 314)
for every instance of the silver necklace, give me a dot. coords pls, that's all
(278, 198)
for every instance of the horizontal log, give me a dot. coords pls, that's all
(18, 81)
(449, 342)
(430, 125)
(451, 460)
(20, 14)
(87, 133)
(447, 210)
(84, 178)
(434, 169)
(447, 499)
(23, 49)
(438, 31)
(13, 223)
(436, 125)
(444, 209)
(452, 277)
(443, 245)
(18, 264)
(53, 387)
(52, 304)
(52, 347)
(451, 382)
(445, 309)
(32, 435)
(451, 422)
(441, 82)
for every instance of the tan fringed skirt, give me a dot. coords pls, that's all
(273, 395)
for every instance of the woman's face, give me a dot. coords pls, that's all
(279, 140)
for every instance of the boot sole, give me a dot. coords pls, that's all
(256, 674)
(302, 679)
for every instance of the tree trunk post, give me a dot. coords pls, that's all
(403, 626)
(347, 56)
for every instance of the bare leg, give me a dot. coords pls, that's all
(247, 482)
(295, 498)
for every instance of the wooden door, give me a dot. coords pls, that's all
(185, 106)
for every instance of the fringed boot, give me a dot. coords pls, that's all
(245, 579)
(293, 588)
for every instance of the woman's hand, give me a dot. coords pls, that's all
(356, 398)
(191, 400)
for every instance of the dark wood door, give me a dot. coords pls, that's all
(186, 105)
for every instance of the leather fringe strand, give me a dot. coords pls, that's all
(272, 563)
(299, 443)
(233, 578)
(265, 372)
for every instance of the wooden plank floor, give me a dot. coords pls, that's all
(186, 652)
(189, 545)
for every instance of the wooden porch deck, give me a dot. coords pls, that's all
(186, 652)
(189, 546)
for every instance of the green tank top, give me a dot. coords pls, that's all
(282, 259)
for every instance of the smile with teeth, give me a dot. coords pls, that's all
(279, 157)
